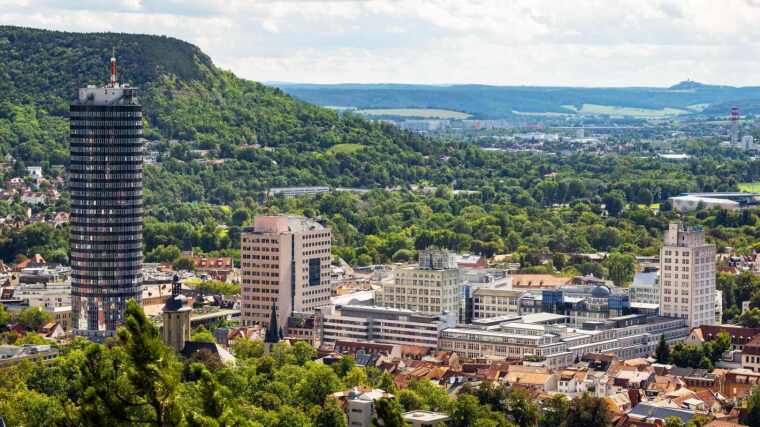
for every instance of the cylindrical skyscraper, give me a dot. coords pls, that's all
(105, 180)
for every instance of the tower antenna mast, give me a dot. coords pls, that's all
(113, 68)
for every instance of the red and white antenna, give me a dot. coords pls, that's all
(113, 83)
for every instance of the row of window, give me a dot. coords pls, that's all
(112, 203)
(111, 212)
(128, 246)
(93, 159)
(85, 168)
(92, 228)
(108, 185)
(107, 149)
(77, 113)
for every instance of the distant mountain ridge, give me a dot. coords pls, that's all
(484, 101)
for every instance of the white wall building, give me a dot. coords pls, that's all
(645, 288)
(382, 325)
(687, 276)
(433, 287)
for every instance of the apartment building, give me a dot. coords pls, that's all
(285, 262)
(687, 276)
(382, 325)
(432, 287)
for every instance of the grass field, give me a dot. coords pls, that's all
(425, 113)
(545, 114)
(344, 148)
(653, 206)
(629, 111)
(752, 187)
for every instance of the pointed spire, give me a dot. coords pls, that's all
(273, 333)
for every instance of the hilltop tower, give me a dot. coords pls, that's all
(105, 180)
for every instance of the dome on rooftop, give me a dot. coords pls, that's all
(600, 292)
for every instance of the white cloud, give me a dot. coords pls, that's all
(546, 42)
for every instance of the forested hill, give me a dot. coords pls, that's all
(186, 98)
(483, 101)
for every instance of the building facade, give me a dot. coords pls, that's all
(557, 346)
(433, 287)
(687, 276)
(285, 261)
(494, 301)
(383, 325)
(105, 181)
(645, 287)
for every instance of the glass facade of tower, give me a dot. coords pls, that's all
(105, 180)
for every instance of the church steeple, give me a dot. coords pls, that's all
(272, 335)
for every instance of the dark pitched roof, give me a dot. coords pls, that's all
(192, 347)
(647, 411)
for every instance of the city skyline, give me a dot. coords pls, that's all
(583, 43)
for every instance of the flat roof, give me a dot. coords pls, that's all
(645, 305)
(424, 416)
(491, 333)
(542, 317)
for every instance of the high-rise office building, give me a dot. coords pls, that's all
(105, 180)
(433, 287)
(285, 261)
(687, 276)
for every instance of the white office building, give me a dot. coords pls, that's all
(433, 287)
(382, 325)
(687, 276)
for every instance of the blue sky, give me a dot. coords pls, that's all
(510, 42)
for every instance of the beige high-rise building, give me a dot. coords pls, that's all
(285, 261)
(687, 276)
(433, 287)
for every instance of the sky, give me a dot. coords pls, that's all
(503, 42)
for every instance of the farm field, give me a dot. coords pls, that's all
(752, 187)
(425, 113)
(625, 111)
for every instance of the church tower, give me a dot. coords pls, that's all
(176, 317)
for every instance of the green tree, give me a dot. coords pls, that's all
(620, 268)
(33, 318)
(202, 334)
(674, 422)
(555, 412)
(466, 410)
(750, 318)
(331, 415)
(303, 352)
(356, 377)
(184, 263)
(317, 383)
(5, 317)
(388, 412)
(588, 411)
(410, 400)
(614, 202)
(751, 416)
(521, 409)
(134, 383)
(244, 348)
(662, 353)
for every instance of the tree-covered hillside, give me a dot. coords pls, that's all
(503, 101)
(185, 98)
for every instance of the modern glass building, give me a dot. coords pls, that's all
(105, 181)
